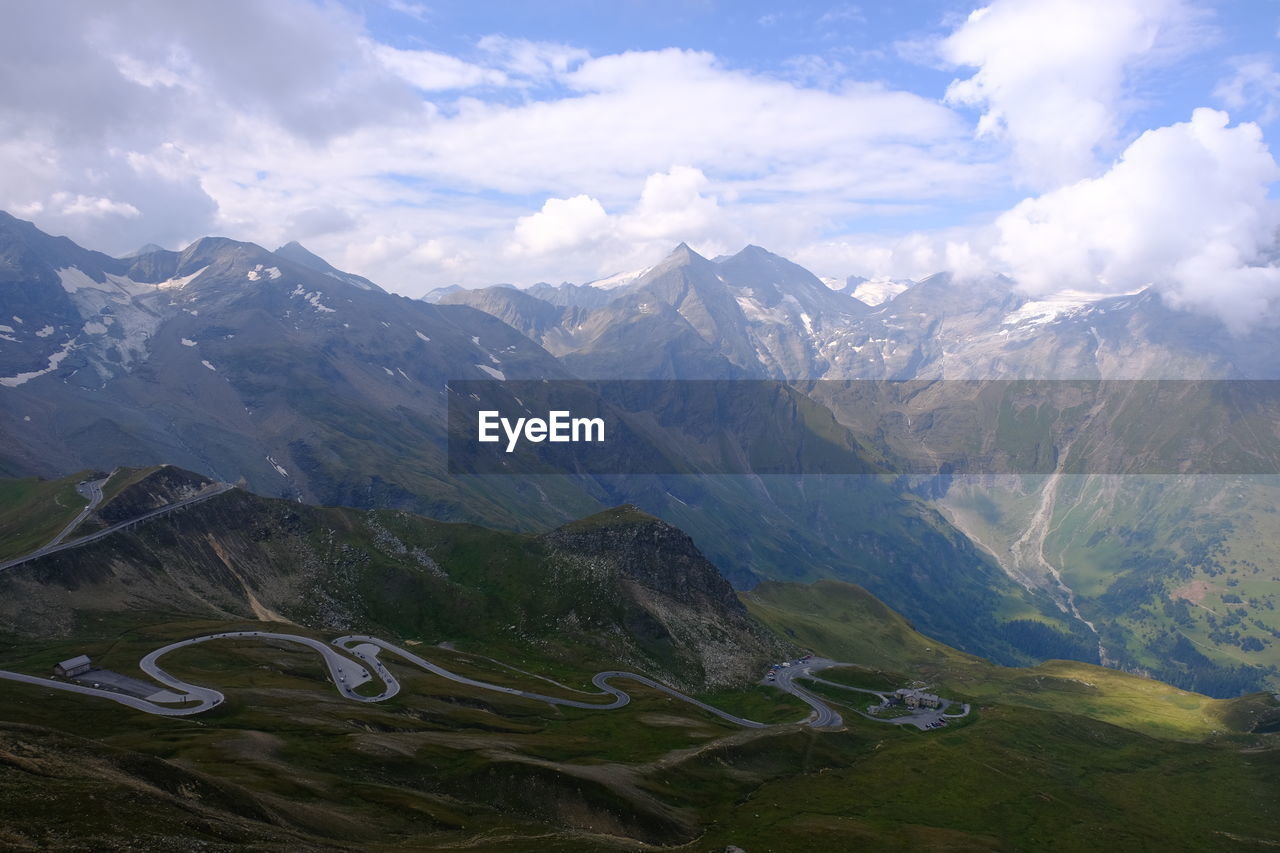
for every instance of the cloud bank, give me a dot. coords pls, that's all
(1184, 209)
(1052, 74)
(519, 160)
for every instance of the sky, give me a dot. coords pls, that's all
(1096, 145)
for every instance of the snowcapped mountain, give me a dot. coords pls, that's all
(757, 314)
(267, 368)
(308, 382)
(232, 360)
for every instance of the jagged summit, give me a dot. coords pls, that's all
(141, 251)
(299, 254)
(682, 254)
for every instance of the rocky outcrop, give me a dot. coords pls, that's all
(616, 590)
(677, 606)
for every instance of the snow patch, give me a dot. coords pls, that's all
(878, 291)
(495, 373)
(54, 361)
(259, 271)
(8, 329)
(73, 279)
(389, 371)
(187, 342)
(179, 283)
(312, 298)
(45, 332)
(617, 280)
(208, 365)
(94, 328)
(757, 313)
(279, 469)
(1049, 309)
(422, 336)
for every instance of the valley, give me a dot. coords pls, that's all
(662, 425)
(381, 651)
(451, 735)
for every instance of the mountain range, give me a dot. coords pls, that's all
(279, 371)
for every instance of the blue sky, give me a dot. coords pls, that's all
(425, 142)
(769, 37)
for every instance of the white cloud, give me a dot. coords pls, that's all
(431, 71)
(672, 206)
(1254, 85)
(579, 234)
(1185, 208)
(531, 59)
(910, 256)
(83, 205)
(417, 11)
(287, 121)
(1053, 74)
(562, 223)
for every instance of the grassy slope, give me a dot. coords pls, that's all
(33, 511)
(122, 478)
(1014, 779)
(845, 622)
(1151, 559)
(443, 765)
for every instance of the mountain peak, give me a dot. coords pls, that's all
(148, 249)
(680, 256)
(298, 253)
(684, 251)
(304, 257)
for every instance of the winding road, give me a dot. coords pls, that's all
(57, 544)
(347, 674)
(922, 719)
(91, 489)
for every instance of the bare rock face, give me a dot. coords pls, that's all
(676, 605)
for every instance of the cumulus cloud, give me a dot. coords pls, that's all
(962, 251)
(562, 223)
(1053, 74)
(262, 120)
(131, 102)
(1185, 208)
(673, 206)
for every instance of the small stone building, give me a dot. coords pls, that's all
(913, 698)
(71, 667)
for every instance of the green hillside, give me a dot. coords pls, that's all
(33, 511)
(845, 622)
